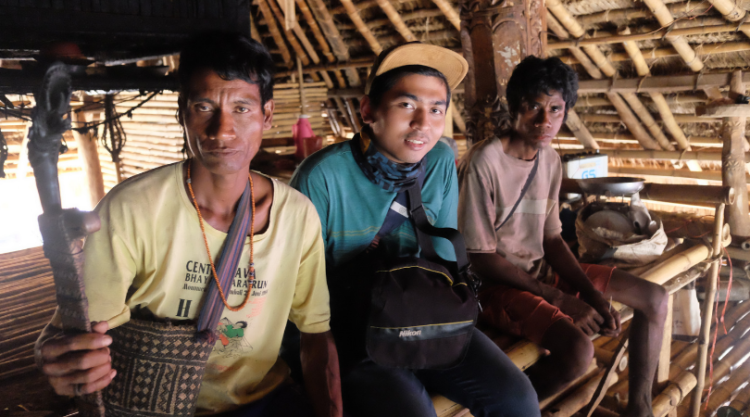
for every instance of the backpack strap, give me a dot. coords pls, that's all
(525, 188)
(425, 229)
(398, 213)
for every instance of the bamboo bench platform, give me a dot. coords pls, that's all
(27, 302)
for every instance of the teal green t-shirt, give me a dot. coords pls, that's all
(352, 209)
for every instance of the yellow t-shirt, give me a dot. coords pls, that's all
(150, 253)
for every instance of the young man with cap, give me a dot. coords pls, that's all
(354, 184)
(163, 231)
(513, 250)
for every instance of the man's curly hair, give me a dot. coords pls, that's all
(534, 76)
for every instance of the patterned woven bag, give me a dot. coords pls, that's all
(160, 363)
(160, 367)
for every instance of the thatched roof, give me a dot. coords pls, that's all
(336, 40)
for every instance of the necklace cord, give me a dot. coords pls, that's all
(251, 267)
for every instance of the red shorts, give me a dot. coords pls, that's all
(522, 313)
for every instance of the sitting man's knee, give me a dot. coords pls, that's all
(577, 357)
(658, 299)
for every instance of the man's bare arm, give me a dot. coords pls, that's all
(496, 269)
(559, 256)
(320, 369)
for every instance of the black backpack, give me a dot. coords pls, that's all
(410, 313)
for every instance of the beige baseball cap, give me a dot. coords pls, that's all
(452, 65)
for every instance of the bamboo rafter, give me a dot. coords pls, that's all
(449, 12)
(353, 13)
(398, 23)
(644, 138)
(658, 34)
(274, 29)
(340, 49)
(731, 12)
(315, 30)
(661, 104)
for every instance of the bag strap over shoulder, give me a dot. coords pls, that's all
(425, 229)
(525, 188)
(226, 264)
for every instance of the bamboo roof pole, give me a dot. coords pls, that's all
(707, 311)
(584, 60)
(289, 37)
(661, 104)
(307, 45)
(579, 130)
(254, 30)
(665, 18)
(398, 23)
(274, 29)
(731, 12)
(313, 24)
(574, 122)
(658, 155)
(652, 35)
(571, 25)
(742, 401)
(706, 49)
(351, 10)
(724, 391)
(684, 9)
(315, 29)
(332, 34)
(449, 12)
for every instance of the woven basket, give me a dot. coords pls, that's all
(160, 368)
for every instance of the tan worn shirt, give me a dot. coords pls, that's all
(490, 182)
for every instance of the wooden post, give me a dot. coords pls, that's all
(708, 311)
(665, 354)
(302, 103)
(89, 157)
(495, 38)
(733, 167)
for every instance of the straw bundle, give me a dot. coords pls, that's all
(27, 302)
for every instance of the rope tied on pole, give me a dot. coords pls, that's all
(113, 139)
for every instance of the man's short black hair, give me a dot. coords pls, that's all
(534, 76)
(384, 82)
(231, 56)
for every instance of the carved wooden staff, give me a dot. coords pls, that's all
(62, 230)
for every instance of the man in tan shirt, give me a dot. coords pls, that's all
(513, 249)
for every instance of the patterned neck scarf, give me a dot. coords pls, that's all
(383, 172)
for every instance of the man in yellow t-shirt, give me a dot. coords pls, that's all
(151, 252)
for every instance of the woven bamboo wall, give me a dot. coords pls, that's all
(154, 137)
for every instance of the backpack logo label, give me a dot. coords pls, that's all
(408, 333)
